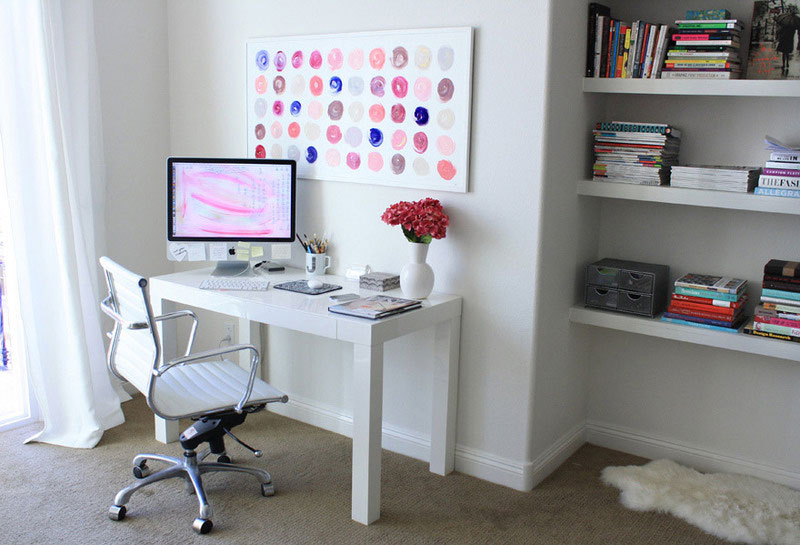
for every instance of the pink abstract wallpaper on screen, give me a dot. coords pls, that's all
(232, 201)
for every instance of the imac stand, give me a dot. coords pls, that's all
(231, 268)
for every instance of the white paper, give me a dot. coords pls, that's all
(178, 251)
(281, 251)
(217, 251)
(197, 252)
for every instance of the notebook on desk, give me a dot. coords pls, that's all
(375, 307)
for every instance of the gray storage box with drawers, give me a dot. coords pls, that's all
(627, 286)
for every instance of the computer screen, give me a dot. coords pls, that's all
(228, 200)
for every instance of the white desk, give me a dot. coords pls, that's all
(310, 314)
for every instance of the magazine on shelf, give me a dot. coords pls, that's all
(375, 307)
(722, 284)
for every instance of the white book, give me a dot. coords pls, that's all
(648, 56)
(632, 53)
(598, 44)
(699, 75)
(660, 53)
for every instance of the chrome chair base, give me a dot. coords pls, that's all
(190, 467)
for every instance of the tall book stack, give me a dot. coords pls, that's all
(738, 179)
(781, 175)
(616, 49)
(778, 315)
(711, 302)
(704, 49)
(635, 153)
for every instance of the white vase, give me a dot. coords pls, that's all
(416, 278)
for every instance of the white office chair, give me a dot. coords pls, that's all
(217, 393)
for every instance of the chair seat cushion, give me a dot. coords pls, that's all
(208, 386)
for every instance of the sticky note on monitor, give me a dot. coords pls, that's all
(256, 251)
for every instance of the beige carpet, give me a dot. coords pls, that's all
(58, 495)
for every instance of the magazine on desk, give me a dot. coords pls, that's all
(375, 307)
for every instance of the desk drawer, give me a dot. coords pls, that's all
(620, 300)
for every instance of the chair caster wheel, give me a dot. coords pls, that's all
(267, 489)
(117, 512)
(224, 459)
(202, 526)
(141, 471)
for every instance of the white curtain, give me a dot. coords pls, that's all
(52, 147)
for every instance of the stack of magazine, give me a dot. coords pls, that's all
(635, 153)
(375, 307)
(781, 175)
(739, 179)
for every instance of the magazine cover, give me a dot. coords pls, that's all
(377, 306)
(774, 40)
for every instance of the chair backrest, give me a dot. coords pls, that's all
(134, 349)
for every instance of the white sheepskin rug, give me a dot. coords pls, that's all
(734, 507)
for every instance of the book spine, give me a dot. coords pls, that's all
(715, 289)
(792, 157)
(692, 43)
(781, 278)
(625, 52)
(610, 50)
(598, 45)
(661, 52)
(632, 51)
(769, 328)
(781, 308)
(621, 31)
(696, 319)
(613, 69)
(781, 301)
(604, 48)
(778, 267)
(704, 307)
(705, 294)
(785, 286)
(648, 58)
(711, 64)
(695, 75)
(788, 165)
(704, 301)
(640, 40)
(590, 39)
(785, 172)
(767, 313)
(782, 322)
(689, 26)
(699, 313)
(768, 335)
(781, 294)
(777, 192)
(778, 181)
(698, 324)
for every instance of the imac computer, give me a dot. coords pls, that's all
(228, 210)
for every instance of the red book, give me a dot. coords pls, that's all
(709, 309)
(610, 54)
(777, 321)
(715, 302)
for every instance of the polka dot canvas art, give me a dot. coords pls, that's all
(389, 108)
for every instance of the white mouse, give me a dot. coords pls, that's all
(314, 283)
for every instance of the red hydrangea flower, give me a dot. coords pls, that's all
(421, 221)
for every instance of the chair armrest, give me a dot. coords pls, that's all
(105, 306)
(254, 361)
(180, 314)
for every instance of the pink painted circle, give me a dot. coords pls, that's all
(334, 134)
(315, 59)
(422, 88)
(353, 160)
(356, 59)
(400, 86)
(376, 113)
(315, 86)
(377, 57)
(445, 145)
(261, 85)
(261, 152)
(420, 142)
(399, 139)
(446, 169)
(335, 58)
(333, 158)
(276, 130)
(297, 59)
(294, 129)
(375, 161)
(314, 109)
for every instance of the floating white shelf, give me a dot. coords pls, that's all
(736, 87)
(690, 197)
(654, 327)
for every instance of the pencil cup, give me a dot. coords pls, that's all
(317, 264)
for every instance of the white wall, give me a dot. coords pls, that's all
(132, 56)
(713, 408)
(490, 253)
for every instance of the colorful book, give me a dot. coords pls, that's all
(699, 320)
(788, 165)
(785, 156)
(776, 278)
(783, 322)
(720, 284)
(781, 294)
(733, 329)
(780, 330)
(767, 313)
(779, 267)
(707, 14)
(711, 310)
(780, 307)
(698, 75)
(750, 329)
(715, 302)
(702, 314)
(779, 181)
(777, 192)
(786, 172)
(784, 286)
(592, 51)
(706, 294)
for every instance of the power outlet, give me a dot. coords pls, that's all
(230, 332)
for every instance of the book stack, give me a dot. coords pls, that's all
(635, 153)
(781, 174)
(616, 49)
(711, 302)
(704, 49)
(778, 315)
(739, 179)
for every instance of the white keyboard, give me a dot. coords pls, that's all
(234, 284)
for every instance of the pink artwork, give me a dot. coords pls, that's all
(220, 201)
(388, 108)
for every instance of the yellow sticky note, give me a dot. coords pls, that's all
(243, 254)
(257, 251)
(244, 245)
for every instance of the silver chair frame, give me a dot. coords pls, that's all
(192, 465)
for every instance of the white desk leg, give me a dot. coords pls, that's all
(367, 416)
(249, 333)
(167, 431)
(445, 390)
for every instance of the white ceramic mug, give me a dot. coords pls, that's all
(317, 264)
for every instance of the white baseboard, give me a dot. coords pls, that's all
(649, 446)
(555, 455)
(477, 463)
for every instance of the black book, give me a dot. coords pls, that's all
(777, 267)
(595, 9)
